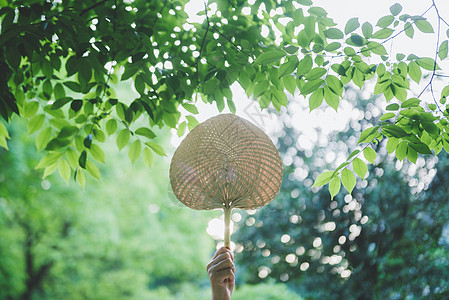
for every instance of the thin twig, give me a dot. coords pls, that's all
(430, 83)
(92, 7)
(229, 40)
(202, 45)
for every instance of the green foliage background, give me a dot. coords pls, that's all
(62, 65)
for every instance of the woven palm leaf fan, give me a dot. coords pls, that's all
(226, 162)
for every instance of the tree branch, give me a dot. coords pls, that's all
(226, 38)
(92, 7)
(435, 60)
(202, 45)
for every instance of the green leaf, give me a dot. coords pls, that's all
(88, 141)
(424, 26)
(316, 99)
(111, 126)
(414, 71)
(387, 116)
(64, 169)
(420, 148)
(85, 72)
(93, 170)
(76, 105)
(146, 132)
(353, 153)
(61, 102)
(269, 57)
(401, 150)
(139, 84)
(368, 134)
(392, 144)
(74, 86)
(305, 2)
(192, 122)
(385, 21)
(359, 167)
(148, 156)
(377, 48)
(48, 160)
(36, 123)
(123, 138)
(311, 86)
(59, 91)
(427, 63)
(356, 40)
(333, 33)
(412, 102)
(261, 87)
(351, 25)
(231, 105)
(412, 155)
(323, 178)
(80, 177)
(72, 157)
(30, 109)
(393, 106)
(3, 143)
(82, 159)
(348, 180)
(134, 151)
(316, 73)
(289, 83)
(156, 148)
(289, 66)
(367, 30)
(190, 108)
(443, 50)
(49, 170)
(181, 129)
(305, 65)
(3, 131)
(391, 130)
(129, 72)
(349, 51)
(334, 186)
(383, 33)
(332, 46)
(210, 86)
(97, 153)
(72, 66)
(369, 154)
(395, 9)
(291, 49)
(57, 143)
(409, 31)
(334, 84)
(331, 99)
(317, 11)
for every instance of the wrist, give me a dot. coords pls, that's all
(221, 294)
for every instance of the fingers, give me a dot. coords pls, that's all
(223, 250)
(222, 266)
(223, 275)
(223, 261)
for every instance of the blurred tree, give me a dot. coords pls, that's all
(386, 240)
(118, 239)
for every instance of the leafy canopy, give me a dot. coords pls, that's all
(61, 62)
